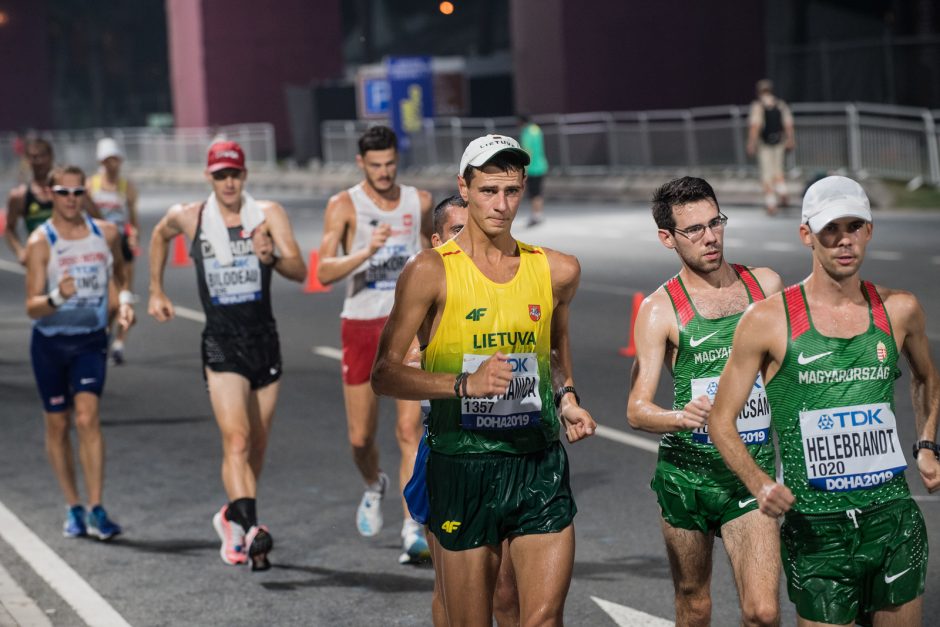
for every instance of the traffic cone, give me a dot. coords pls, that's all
(313, 283)
(630, 349)
(180, 254)
(3, 222)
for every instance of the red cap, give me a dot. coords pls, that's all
(224, 155)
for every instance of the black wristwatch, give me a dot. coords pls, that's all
(563, 391)
(928, 445)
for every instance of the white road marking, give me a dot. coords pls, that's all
(328, 351)
(18, 605)
(628, 617)
(189, 314)
(627, 438)
(89, 605)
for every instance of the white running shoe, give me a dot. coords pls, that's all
(369, 514)
(232, 536)
(413, 543)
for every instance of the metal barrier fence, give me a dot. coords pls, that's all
(862, 139)
(153, 147)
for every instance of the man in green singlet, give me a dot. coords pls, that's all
(30, 201)
(853, 542)
(492, 313)
(688, 324)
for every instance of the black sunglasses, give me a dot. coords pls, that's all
(221, 175)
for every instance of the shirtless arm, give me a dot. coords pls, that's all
(753, 345)
(118, 277)
(36, 259)
(656, 329)
(132, 216)
(276, 231)
(906, 312)
(427, 219)
(566, 274)
(340, 219)
(421, 288)
(171, 225)
(15, 211)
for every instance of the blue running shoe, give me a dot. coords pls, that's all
(74, 526)
(100, 526)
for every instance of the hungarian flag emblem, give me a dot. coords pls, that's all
(882, 351)
(535, 312)
(407, 220)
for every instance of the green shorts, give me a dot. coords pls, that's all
(839, 571)
(696, 507)
(481, 499)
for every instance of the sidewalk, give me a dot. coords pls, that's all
(324, 181)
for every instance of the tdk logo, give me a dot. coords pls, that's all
(476, 314)
(519, 364)
(825, 422)
(858, 417)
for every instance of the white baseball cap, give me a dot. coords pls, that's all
(482, 149)
(107, 147)
(832, 198)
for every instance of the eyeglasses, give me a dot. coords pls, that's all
(221, 175)
(696, 231)
(59, 190)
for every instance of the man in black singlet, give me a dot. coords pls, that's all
(240, 350)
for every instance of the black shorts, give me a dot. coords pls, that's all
(257, 357)
(126, 250)
(533, 186)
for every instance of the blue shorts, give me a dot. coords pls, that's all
(416, 490)
(65, 365)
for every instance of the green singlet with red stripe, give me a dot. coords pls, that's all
(704, 348)
(833, 411)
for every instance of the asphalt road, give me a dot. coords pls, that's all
(163, 448)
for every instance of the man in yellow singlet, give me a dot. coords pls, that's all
(493, 315)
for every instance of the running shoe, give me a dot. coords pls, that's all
(100, 526)
(369, 514)
(413, 543)
(232, 536)
(259, 543)
(117, 356)
(74, 526)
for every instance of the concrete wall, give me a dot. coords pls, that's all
(610, 55)
(231, 59)
(24, 71)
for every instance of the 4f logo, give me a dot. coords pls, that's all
(475, 315)
(450, 526)
(535, 312)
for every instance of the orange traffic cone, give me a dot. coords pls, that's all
(3, 222)
(180, 254)
(313, 283)
(630, 349)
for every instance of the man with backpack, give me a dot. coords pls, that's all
(770, 136)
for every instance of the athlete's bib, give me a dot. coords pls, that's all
(851, 448)
(520, 407)
(237, 283)
(386, 265)
(754, 420)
